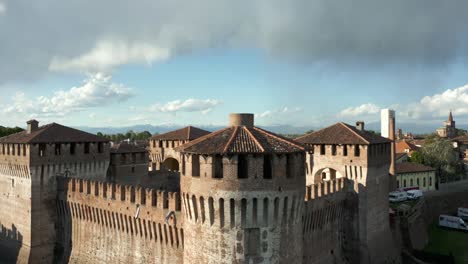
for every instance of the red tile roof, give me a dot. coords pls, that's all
(342, 133)
(241, 139)
(52, 133)
(186, 133)
(410, 167)
(403, 145)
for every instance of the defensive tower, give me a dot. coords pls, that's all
(243, 196)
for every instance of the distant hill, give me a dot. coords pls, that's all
(281, 129)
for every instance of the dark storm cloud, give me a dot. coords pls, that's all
(78, 35)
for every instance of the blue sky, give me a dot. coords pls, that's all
(197, 66)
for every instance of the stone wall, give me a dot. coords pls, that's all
(111, 223)
(328, 224)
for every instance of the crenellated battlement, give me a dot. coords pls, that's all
(325, 188)
(135, 195)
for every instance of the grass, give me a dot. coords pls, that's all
(446, 241)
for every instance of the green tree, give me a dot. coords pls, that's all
(440, 154)
(417, 157)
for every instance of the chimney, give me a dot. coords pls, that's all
(360, 125)
(241, 120)
(33, 125)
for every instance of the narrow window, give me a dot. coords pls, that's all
(19, 149)
(322, 149)
(24, 149)
(345, 150)
(183, 165)
(72, 148)
(404, 183)
(334, 150)
(195, 165)
(57, 149)
(133, 157)
(430, 181)
(398, 184)
(218, 166)
(242, 167)
(417, 182)
(232, 208)
(289, 166)
(86, 148)
(221, 212)
(160, 143)
(267, 169)
(100, 147)
(243, 212)
(424, 182)
(357, 151)
(42, 150)
(411, 182)
(133, 169)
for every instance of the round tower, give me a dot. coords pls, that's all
(242, 195)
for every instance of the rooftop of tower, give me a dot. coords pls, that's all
(186, 133)
(342, 133)
(241, 137)
(51, 133)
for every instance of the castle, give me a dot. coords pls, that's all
(246, 196)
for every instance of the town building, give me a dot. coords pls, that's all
(448, 130)
(162, 154)
(404, 146)
(415, 175)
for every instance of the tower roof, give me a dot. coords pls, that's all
(342, 133)
(52, 133)
(186, 133)
(241, 137)
(450, 119)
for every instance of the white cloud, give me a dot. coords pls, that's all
(3, 8)
(189, 105)
(278, 113)
(109, 54)
(364, 109)
(429, 108)
(98, 90)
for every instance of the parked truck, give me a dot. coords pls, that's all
(453, 222)
(463, 213)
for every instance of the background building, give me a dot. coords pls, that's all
(415, 175)
(448, 130)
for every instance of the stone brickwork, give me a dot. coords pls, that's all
(111, 223)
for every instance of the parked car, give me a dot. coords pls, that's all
(414, 194)
(453, 222)
(463, 213)
(395, 197)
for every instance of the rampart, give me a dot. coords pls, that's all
(111, 223)
(328, 222)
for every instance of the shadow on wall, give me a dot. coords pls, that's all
(63, 247)
(11, 241)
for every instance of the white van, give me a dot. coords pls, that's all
(395, 197)
(414, 194)
(463, 213)
(453, 222)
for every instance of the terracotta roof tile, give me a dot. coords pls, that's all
(410, 167)
(241, 139)
(403, 145)
(186, 133)
(52, 133)
(342, 133)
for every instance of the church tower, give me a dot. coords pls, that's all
(242, 194)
